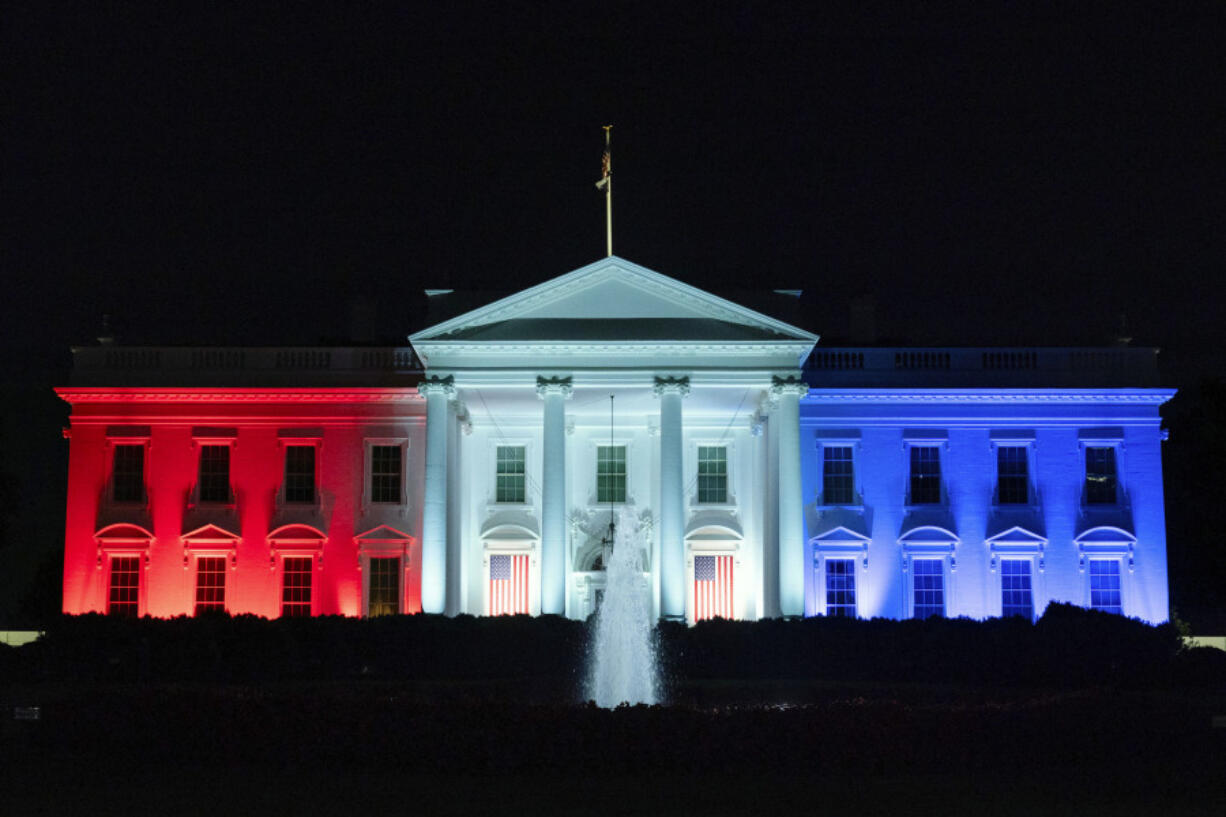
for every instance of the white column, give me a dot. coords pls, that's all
(670, 390)
(437, 391)
(785, 422)
(554, 391)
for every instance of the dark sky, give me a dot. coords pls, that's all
(987, 173)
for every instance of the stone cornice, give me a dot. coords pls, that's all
(94, 394)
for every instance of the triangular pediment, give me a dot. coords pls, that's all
(382, 533)
(610, 301)
(840, 535)
(1017, 535)
(210, 533)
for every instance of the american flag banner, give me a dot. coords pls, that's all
(508, 584)
(712, 587)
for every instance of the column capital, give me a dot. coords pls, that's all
(546, 386)
(788, 385)
(672, 385)
(437, 385)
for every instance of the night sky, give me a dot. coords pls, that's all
(987, 174)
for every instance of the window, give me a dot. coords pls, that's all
(611, 473)
(712, 473)
(837, 485)
(1105, 586)
(929, 588)
(1012, 475)
(300, 474)
(1015, 595)
(214, 481)
(1100, 475)
(510, 476)
(128, 474)
(210, 583)
(841, 587)
(385, 471)
(925, 475)
(296, 586)
(123, 595)
(384, 586)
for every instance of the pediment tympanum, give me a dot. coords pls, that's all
(612, 306)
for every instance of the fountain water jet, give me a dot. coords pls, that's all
(622, 656)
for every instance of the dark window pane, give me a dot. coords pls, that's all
(837, 486)
(925, 475)
(128, 474)
(215, 473)
(385, 473)
(384, 586)
(1100, 475)
(1012, 477)
(300, 473)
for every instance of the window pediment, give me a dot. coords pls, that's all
(123, 533)
(210, 534)
(297, 534)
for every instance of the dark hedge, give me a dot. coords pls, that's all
(543, 658)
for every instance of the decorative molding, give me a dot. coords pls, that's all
(1137, 396)
(671, 385)
(437, 385)
(76, 395)
(554, 385)
(788, 385)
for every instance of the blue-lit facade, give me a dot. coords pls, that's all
(1005, 499)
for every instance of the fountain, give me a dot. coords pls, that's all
(622, 665)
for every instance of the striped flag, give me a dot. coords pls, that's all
(712, 587)
(606, 161)
(508, 584)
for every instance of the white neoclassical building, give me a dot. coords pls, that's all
(475, 471)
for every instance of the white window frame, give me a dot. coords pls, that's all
(523, 444)
(729, 502)
(823, 576)
(597, 444)
(946, 581)
(1035, 576)
(1087, 589)
(211, 553)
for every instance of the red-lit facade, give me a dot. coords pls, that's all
(203, 493)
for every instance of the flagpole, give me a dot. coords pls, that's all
(606, 181)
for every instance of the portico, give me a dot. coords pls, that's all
(685, 370)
